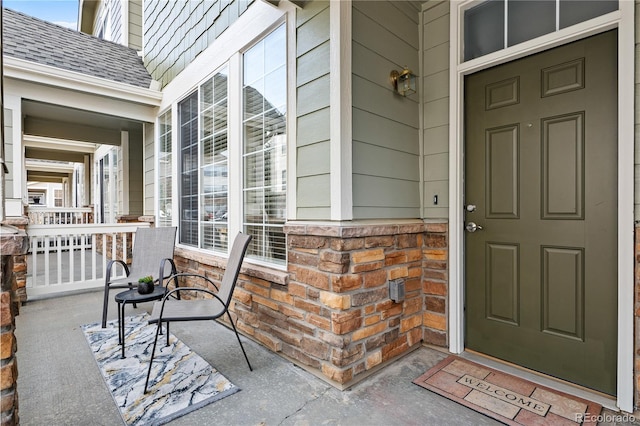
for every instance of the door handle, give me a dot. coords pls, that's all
(472, 227)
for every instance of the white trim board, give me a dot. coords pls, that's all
(623, 20)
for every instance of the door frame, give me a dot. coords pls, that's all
(623, 20)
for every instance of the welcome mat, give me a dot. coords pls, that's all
(181, 381)
(504, 397)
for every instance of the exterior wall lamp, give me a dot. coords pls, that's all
(404, 82)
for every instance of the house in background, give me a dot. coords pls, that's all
(492, 210)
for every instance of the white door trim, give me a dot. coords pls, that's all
(623, 20)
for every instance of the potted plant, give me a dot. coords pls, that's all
(145, 285)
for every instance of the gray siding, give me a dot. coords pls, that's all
(386, 155)
(135, 24)
(149, 168)
(8, 152)
(435, 82)
(312, 144)
(175, 32)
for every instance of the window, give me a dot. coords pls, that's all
(254, 161)
(57, 197)
(188, 113)
(265, 136)
(107, 185)
(164, 170)
(214, 162)
(204, 165)
(484, 24)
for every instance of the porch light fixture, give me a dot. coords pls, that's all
(404, 82)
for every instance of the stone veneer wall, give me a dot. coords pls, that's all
(19, 261)
(636, 399)
(331, 312)
(11, 245)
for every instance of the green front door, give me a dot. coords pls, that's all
(541, 186)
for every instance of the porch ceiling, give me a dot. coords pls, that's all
(60, 122)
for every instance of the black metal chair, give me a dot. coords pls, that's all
(209, 308)
(152, 256)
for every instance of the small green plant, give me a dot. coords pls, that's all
(145, 285)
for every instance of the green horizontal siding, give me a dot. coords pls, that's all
(436, 110)
(313, 112)
(386, 161)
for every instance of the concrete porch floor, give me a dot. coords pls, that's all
(59, 382)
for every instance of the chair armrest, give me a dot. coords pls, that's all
(179, 289)
(110, 266)
(190, 274)
(174, 271)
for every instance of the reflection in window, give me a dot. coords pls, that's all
(484, 24)
(188, 121)
(264, 150)
(164, 170)
(214, 155)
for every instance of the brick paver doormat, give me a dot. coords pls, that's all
(504, 397)
(181, 380)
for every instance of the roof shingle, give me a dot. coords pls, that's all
(34, 40)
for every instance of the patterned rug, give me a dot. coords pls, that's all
(506, 398)
(181, 381)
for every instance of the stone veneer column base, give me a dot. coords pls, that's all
(330, 312)
(13, 243)
(636, 396)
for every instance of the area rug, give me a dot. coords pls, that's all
(504, 397)
(181, 381)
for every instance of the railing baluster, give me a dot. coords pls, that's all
(83, 263)
(104, 255)
(34, 261)
(59, 255)
(71, 245)
(94, 249)
(46, 260)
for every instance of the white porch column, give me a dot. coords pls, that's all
(341, 110)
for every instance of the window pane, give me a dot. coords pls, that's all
(188, 113)
(265, 138)
(253, 133)
(275, 55)
(254, 63)
(529, 19)
(254, 99)
(254, 171)
(483, 29)
(576, 11)
(213, 163)
(164, 171)
(275, 89)
(220, 82)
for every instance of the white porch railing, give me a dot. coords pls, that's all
(59, 215)
(74, 257)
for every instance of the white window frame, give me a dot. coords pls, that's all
(256, 22)
(241, 136)
(156, 175)
(622, 20)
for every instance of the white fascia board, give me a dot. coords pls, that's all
(92, 102)
(71, 80)
(58, 144)
(41, 166)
